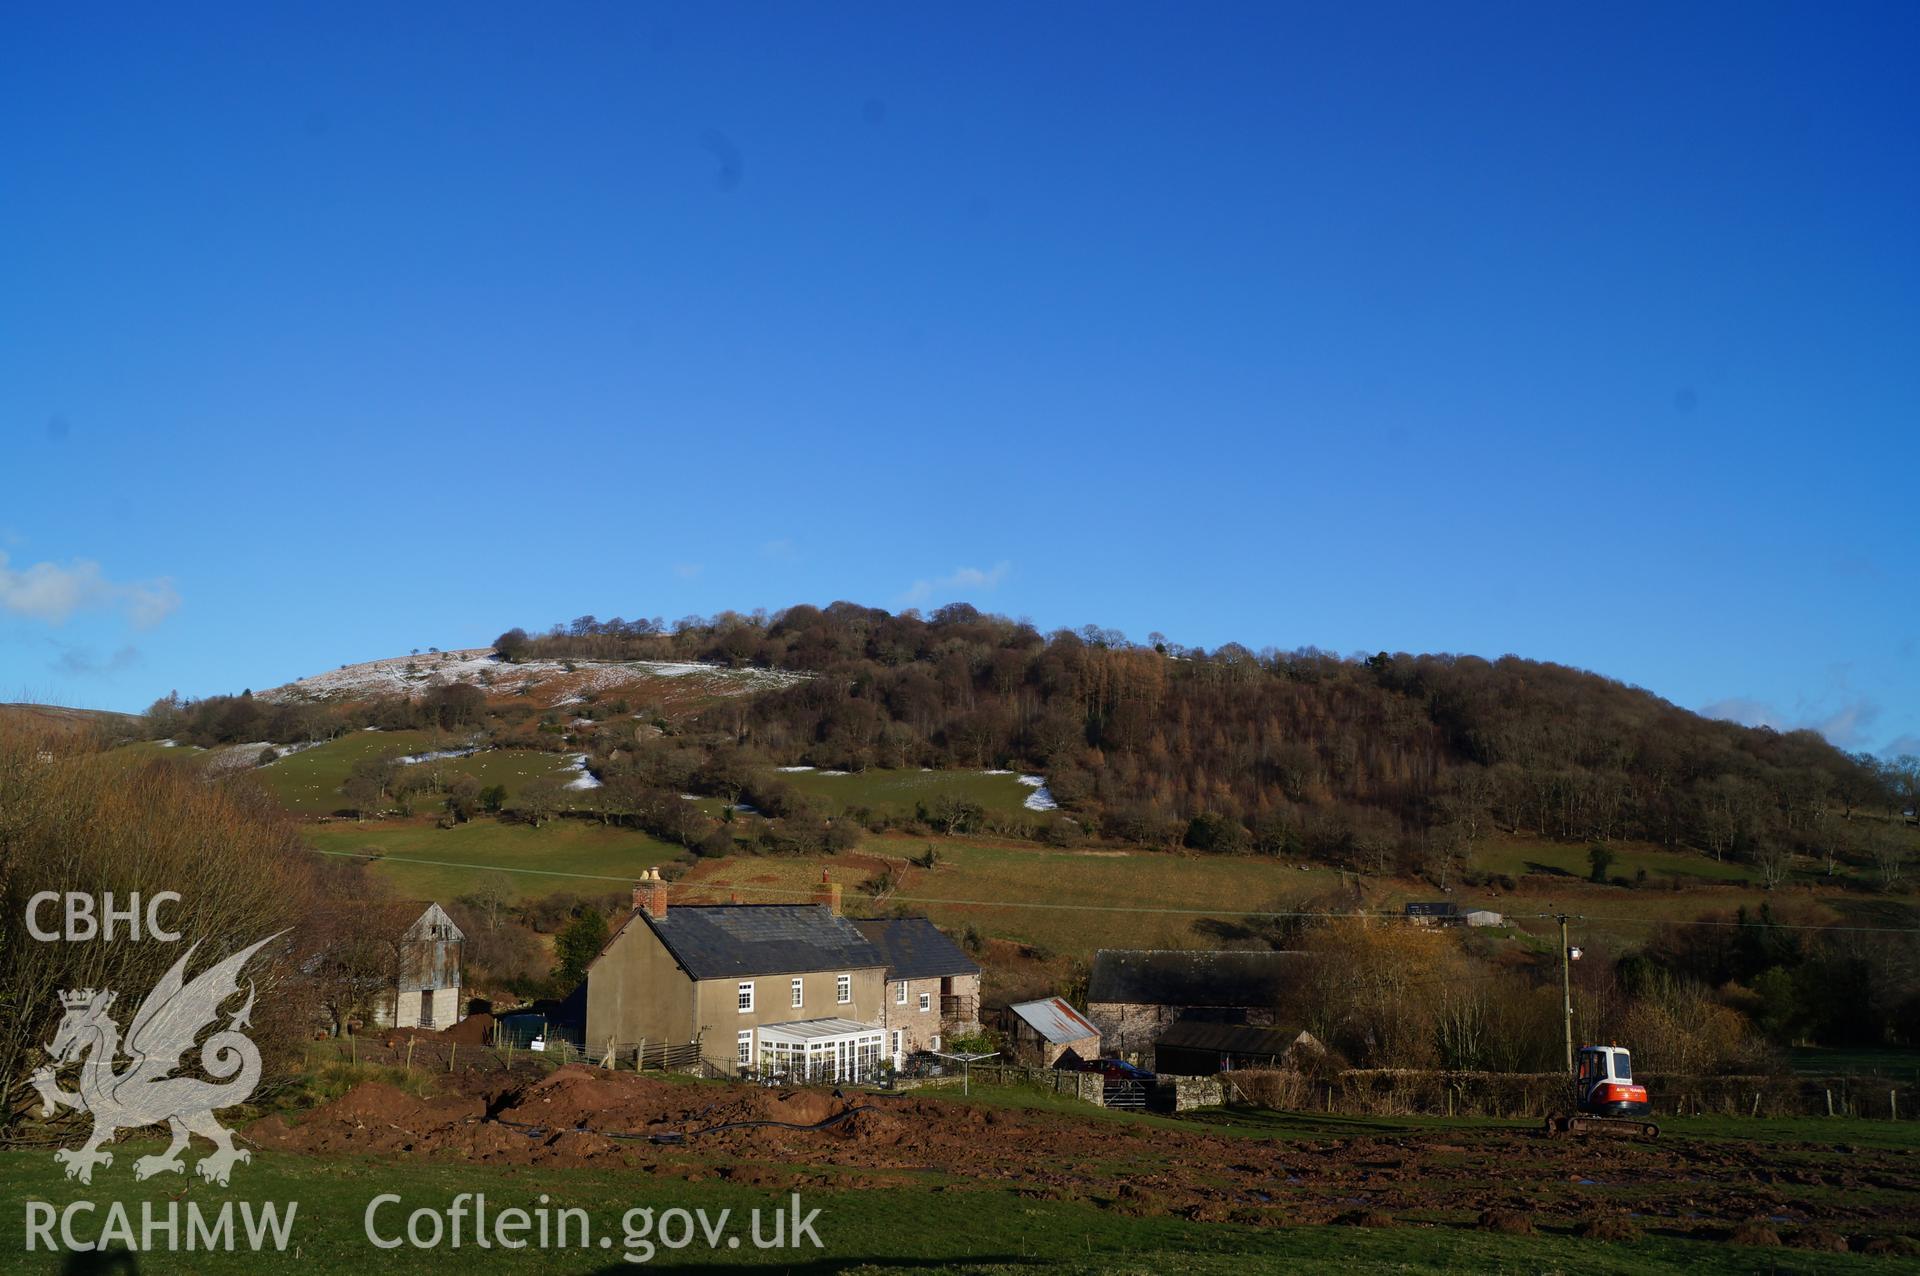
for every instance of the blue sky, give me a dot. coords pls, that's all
(332, 331)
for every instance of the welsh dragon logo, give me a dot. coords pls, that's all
(144, 1092)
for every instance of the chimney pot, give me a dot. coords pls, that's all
(827, 893)
(650, 896)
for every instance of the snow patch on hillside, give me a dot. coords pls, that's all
(586, 779)
(481, 667)
(1040, 799)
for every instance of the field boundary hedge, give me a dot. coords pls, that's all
(1409, 1092)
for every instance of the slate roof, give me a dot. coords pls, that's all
(1181, 977)
(719, 941)
(1055, 1020)
(915, 948)
(1229, 1038)
(1443, 908)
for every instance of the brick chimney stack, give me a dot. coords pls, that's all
(828, 892)
(650, 894)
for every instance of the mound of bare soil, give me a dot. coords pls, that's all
(1609, 1227)
(1509, 1180)
(1754, 1234)
(474, 1030)
(370, 1118)
(1818, 1238)
(1511, 1222)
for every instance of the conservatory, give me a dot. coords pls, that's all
(814, 1050)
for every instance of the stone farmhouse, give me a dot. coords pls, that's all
(793, 991)
(933, 987)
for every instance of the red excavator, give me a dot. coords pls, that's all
(1606, 1101)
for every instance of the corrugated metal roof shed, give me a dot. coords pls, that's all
(1055, 1020)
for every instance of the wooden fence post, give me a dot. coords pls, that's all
(1829, 1102)
(1756, 1103)
(410, 1041)
(453, 1052)
(1893, 1103)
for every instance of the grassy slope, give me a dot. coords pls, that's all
(509, 767)
(424, 862)
(1011, 881)
(308, 782)
(900, 791)
(1107, 898)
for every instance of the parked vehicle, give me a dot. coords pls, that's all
(1118, 1070)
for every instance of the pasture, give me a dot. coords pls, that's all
(420, 861)
(898, 792)
(308, 782)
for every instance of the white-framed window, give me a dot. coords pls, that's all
(934, 1044)
(900, 993)
(797, 987)
(926, 1002)
(843, 988)
(746, 995)
(746, 1047)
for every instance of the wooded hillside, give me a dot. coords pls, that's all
(1394, 758)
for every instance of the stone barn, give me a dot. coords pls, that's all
(1134, 995)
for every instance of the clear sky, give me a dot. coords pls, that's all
(1586, 333)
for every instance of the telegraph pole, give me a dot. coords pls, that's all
(1566, 987)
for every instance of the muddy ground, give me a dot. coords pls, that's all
(1828, 1196)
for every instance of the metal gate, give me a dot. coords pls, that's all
(1124, 1094)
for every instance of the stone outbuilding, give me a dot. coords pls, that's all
(1134, 995)
(1040, 1032)
(427, 949)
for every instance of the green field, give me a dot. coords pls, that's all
(420, 861)
(1556, 859)
(1891, 1061)
(898, 792)
(1110, 898)
(510, 768)
(308, 782)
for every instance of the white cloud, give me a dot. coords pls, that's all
(687, 571)
(83, 662)
(782, 550)
(963, 579)
(1748, 713)
(50, 592)
(1845, 727)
